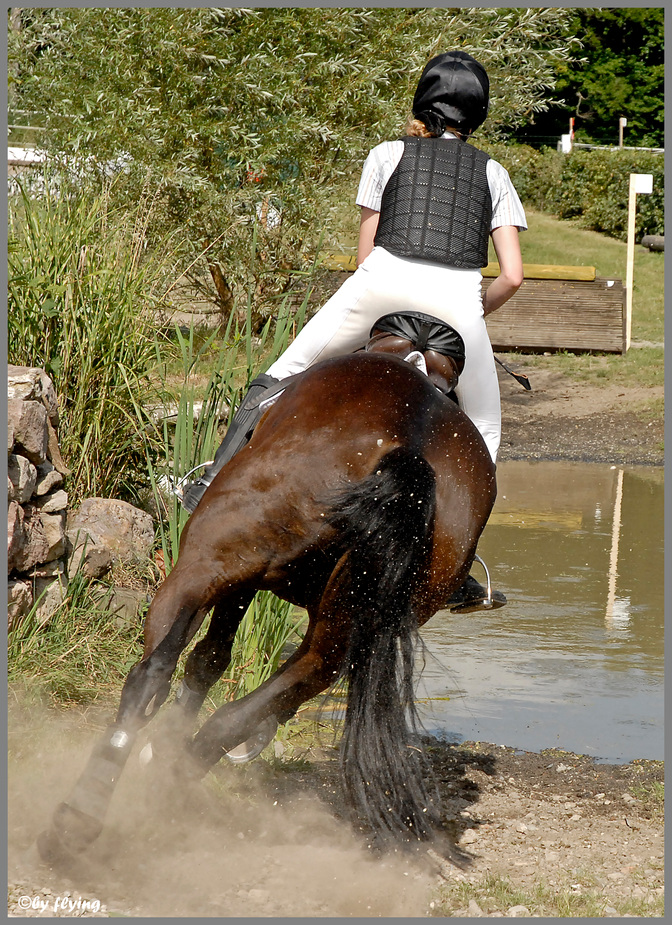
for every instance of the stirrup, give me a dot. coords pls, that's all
(178, 489)
(472, 596)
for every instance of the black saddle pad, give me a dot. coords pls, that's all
(424, 332)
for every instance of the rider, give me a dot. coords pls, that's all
(429, 202)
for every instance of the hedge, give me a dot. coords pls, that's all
(588, 186)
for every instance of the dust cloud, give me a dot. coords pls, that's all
(234, 845)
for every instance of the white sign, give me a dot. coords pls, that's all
(642, 182)
(623, 121)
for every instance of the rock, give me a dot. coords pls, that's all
(23, 477)
(474, 910)
(91, 560)
(54, 451)
(15, 534)
(53, 526)
(48, 569)
(31, 383)
(518, 911)
(125, 604)
(28, 425)
(27, 543)
(24, 383)
(123, 529)
(50, 504)
(48, 478)
(50, 594)
(654, 242)
(19, 601)
(33, 537)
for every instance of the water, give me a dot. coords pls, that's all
(575, 659)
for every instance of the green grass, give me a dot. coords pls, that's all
(561, 243)
(580, 897)
(81, 655)
(652, 796)
(80, 299)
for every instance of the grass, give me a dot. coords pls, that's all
(80, 655)
(652, 796)
(580, 897)
(551, 241)
(79, 302)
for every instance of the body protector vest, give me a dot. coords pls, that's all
(437, 204)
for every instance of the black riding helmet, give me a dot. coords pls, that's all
(453, 90)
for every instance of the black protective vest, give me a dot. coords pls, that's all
(437, 205)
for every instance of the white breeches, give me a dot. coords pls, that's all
(385, 283)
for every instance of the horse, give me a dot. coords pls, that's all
(360, 497)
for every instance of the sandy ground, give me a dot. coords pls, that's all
(563, 419)
(269, 840)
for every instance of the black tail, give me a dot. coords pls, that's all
(388, 523)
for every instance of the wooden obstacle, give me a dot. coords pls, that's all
(556, 308)
(560, 308)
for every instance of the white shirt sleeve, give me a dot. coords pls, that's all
(378, 168)
(507, 209)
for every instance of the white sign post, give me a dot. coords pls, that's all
(639, 183)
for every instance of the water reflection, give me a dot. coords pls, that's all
(575, 660)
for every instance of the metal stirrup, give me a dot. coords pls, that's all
(488, 600)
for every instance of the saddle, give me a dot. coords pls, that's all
(400, 333)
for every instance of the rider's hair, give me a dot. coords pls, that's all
(418, 129)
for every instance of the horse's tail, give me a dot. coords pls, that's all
(388, 521)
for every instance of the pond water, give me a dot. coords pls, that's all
(575, 659)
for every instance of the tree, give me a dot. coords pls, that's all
(621, 75)
(244, 124)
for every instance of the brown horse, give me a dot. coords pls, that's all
(361, 497)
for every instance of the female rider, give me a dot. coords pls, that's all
(429, 203)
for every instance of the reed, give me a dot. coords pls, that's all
(81, 298)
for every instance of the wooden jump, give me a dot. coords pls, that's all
(556, 308)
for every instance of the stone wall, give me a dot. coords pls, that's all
(37, 502)
(46, 542)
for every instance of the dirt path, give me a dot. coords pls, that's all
(563, 419)
(550, 835)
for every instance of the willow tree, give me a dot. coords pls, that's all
(249, 124)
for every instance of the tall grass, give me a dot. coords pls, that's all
(81, 296)
(80, 299)
(80, 655)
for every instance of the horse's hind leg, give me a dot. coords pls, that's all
(311, 669)
(174, 616)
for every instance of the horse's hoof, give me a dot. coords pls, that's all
(255, 745)
(49, 850)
